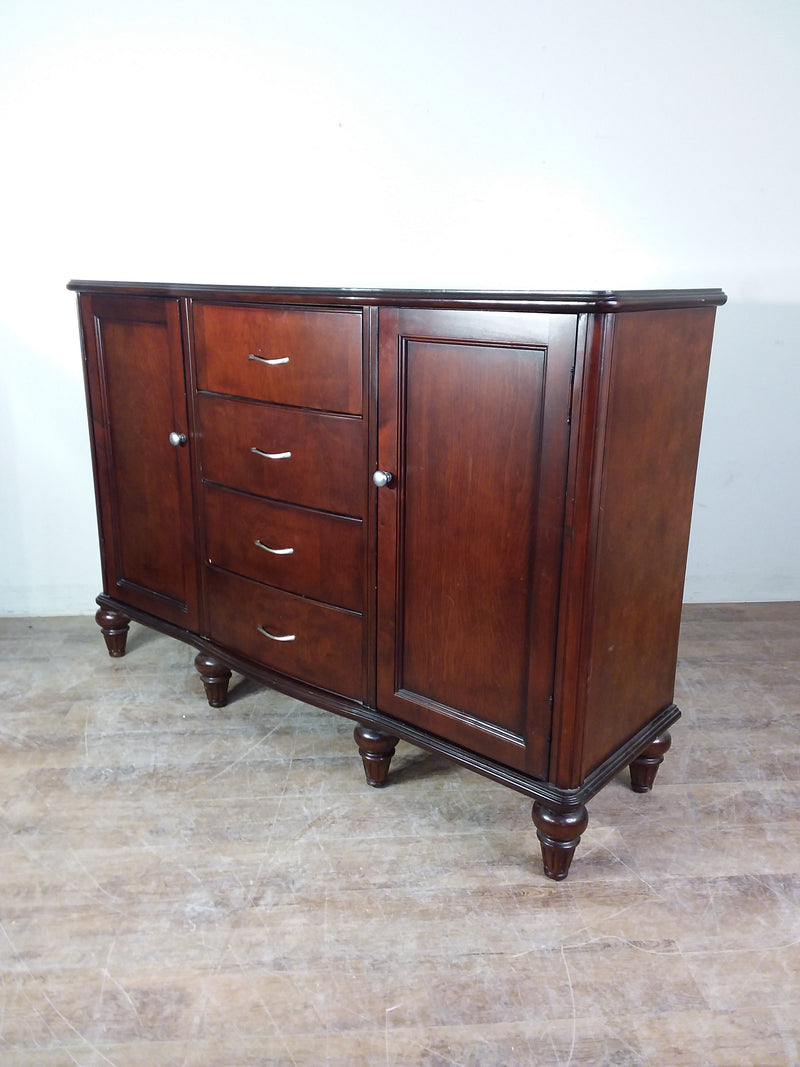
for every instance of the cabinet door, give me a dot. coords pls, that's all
(137, 398)
(473, 428)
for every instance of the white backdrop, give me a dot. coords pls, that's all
(444, 143)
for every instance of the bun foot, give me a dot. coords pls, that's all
(645, 767)
(114, 627)
(376, 751)
(559, 833)
(215, 676)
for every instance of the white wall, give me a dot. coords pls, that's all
(416, 143)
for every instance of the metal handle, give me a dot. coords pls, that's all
(275, 551)
(381, 478)
(177, 440)
(274, 637)
(269, 362)
(271, 455)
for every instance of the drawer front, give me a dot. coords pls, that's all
(305, 552)
(284, 355)
(301, 457)
(321, 645)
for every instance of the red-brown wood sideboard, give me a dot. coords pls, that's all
(458, 518)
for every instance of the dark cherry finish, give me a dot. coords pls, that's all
(376, 750)
(645, 430)
(114, 627)
(510, 597)
(645, 767)
(215, 676)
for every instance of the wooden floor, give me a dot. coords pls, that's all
(184, 886)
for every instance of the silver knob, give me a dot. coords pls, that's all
(381, 478)
(177, 440)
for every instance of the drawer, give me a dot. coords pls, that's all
(302, 457)
(311, 642)
(308, 359)
(305, 552)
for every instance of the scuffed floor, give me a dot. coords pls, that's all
(185, 886)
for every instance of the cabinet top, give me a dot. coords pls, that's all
(601, 300)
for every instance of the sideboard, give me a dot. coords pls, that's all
(459, 518)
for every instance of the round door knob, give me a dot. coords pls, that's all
(177, 440)
(381, 478)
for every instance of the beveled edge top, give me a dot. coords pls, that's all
(601, 300)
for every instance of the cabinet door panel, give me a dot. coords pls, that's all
(137, 398)
(474, 429)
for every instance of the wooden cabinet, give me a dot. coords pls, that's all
(460, 519)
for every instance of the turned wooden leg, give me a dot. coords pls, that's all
(376, 750)
(215, 677)
(559, 833)
(115, 630)
(643, 769)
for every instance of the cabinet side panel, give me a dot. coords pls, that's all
(643, 502)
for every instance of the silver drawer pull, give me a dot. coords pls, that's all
(274, 637)
(275, 551)
(269, 362)
(271, 455)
